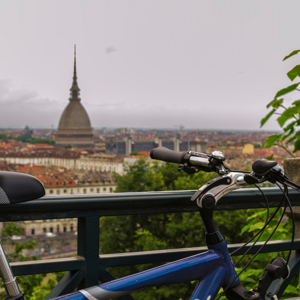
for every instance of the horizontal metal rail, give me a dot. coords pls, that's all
(136, 258)
(95, 205)
(88, 268)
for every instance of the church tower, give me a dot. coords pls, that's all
(74, 126)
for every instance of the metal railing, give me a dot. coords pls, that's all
(88, 268)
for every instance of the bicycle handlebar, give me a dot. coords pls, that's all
(190, 157)
(263, 170)
(167, 155)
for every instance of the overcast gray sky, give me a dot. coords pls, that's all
(203, 64)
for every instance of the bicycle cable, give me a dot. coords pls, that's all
(261, 231)
(285, 193)
(238, 171)
(251, 239)
(254, 256)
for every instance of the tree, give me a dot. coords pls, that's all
(161, 231)
(28, 140)
(26, 282)
(33, 286)
(289, 117)
(134, 153)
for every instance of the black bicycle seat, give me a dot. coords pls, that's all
(18, 187)
(261, 167)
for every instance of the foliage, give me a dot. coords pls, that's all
(162, 231)
(284, 231)
(26, 282)
(289, 117)
(41, 292)
(35, 287)
(68, 147)
(28, 140)
(134, 153)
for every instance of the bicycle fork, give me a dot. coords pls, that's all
(9, 281)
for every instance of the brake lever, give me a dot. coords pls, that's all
(253, 179)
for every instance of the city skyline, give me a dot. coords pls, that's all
(206, 65)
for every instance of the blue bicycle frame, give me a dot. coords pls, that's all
(213, 269)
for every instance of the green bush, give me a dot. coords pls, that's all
(163, 231)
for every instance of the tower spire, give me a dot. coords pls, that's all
(74, 96)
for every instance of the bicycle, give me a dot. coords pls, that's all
(214, 269)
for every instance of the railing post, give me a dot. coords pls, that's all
(292, 171)
(88, 247)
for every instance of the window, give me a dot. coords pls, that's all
(51, 191)
(57, 192)
(71, 191)
(98, 190)
(65, 191)
(104, 189)
(44, 230)
(110, 189)
(84, 191)
(91, 190)
(71, 228)
(65, 229)
(51, 229)
(32, 231)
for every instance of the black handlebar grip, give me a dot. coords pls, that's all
(167, 155)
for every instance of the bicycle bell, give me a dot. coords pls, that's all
(218, 155)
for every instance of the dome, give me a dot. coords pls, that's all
(74, 125)
(74, 117)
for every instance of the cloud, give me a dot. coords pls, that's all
(110, 50)
(21, 105)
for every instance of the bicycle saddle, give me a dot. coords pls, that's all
(261, 167)
(18, 187)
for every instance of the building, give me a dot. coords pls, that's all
(74, 126)
(128, 145)
(64, 158)
(235, 148)
(198, 146)
(26, 133)
(61, 180)
(248, 149)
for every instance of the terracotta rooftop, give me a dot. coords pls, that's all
(60, 176)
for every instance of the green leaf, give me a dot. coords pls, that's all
(291, 111)
(286, 136)
(296, 103)
(287, 90)
(292, 74)
(290, 127)
(291, 289)
(296, 146)
(271, 140)
(270, 157)
(258, 214)
(281, 120)
(287, 114)
(275, 103)
(255, 226)
(291, 139)
(246, 228)
(267, 117)
(291, 54)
